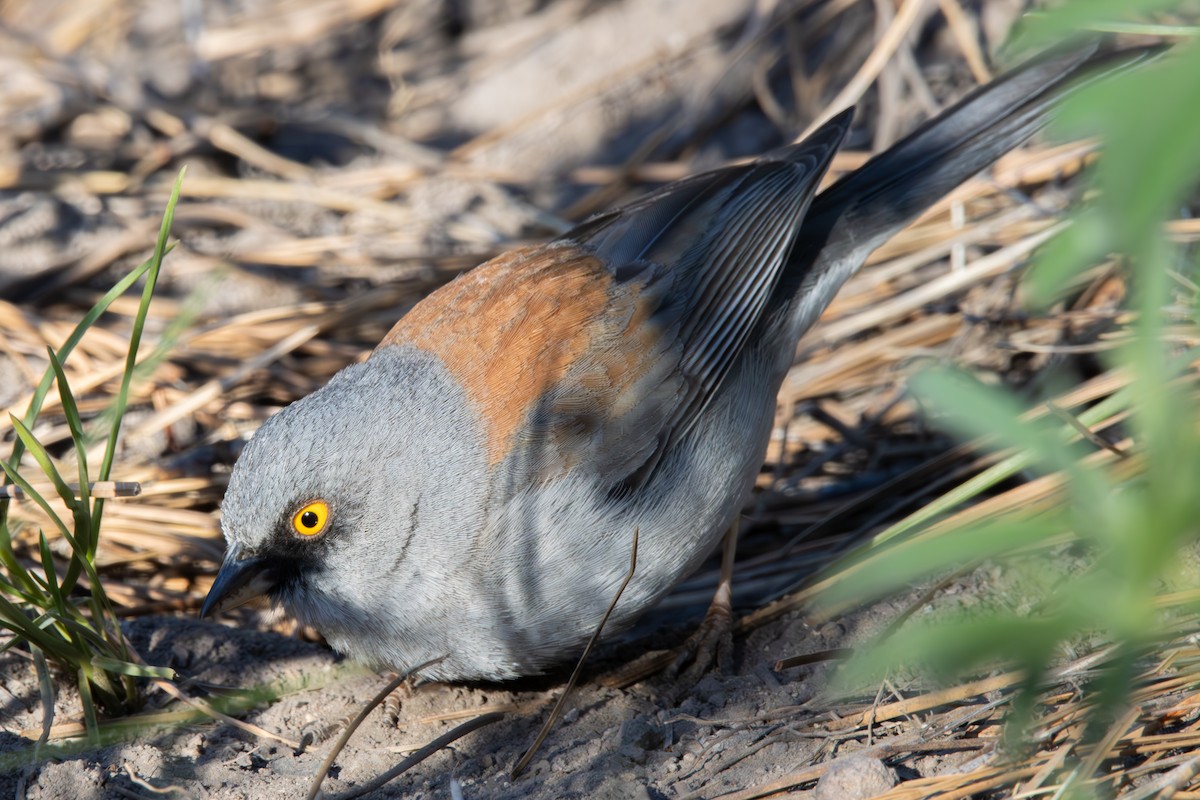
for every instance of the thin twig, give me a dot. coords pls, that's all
(105, 489)
(558, 706)
(420, 755)
(869, 71)
(314, 788)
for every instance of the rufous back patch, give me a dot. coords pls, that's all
(510, 329)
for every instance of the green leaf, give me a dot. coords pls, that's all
(82, 510)
(949, 648)
(19, 590)
(1074, 19)
(135, 670)
(976, 410)
(46, 691)
(889, 569)
(52, 585)
(89, 319)
(22, 625)
(1149, 162)
(31, 493)
(135, 339)
(139, 323)
(90, 718)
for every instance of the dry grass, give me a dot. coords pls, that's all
(348, 252)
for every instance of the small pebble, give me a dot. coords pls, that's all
(854, 777)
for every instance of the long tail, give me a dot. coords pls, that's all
(860, 212)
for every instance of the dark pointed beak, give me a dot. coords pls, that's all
(238, 581)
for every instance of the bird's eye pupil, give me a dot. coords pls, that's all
(309, 519)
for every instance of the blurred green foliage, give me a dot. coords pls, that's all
(1135, 533)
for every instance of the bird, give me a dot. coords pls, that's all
(466, 498)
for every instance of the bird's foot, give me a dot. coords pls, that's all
(710, 645)
(394, 702)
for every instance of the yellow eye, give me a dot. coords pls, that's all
(311, 520)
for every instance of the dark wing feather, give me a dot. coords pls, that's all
(702, 257)
(866, 208)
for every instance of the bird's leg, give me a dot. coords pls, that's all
(711, 643)
(394, 702)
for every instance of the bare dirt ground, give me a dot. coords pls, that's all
(344, 158)
(656, 739)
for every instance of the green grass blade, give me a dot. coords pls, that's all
(46, 691)
(135, 337)
(11, 563)
(9, 588)
(52, 585)
(81, 558)
(89, 319)
(167, 341)
(42, 457)
(85, 637)
(90, 720)
(119, 667)
(7, 556)
(976, 410)
(84, 531)
(29, 629)
(41, 580)
(883, 571)
(36, 496)
(1118, 402)
(950, 647)
(1068, 20)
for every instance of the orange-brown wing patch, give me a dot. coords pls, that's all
(511, 329)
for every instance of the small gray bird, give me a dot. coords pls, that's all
(471, 491)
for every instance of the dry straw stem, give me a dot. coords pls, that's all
(935, 722)
(229, 372)
(105, 489)
(892, 36)
(1024, 497)
(135, 724)
(272, 28)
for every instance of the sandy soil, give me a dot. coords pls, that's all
(659, 738)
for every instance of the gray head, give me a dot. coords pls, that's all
(326, 502)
